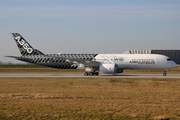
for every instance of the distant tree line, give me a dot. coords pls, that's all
(9, 63)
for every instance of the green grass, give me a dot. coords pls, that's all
(20, 66)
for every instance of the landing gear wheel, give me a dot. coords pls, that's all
(164, 74)
(96, 73)
(86, 73)
(91, 73)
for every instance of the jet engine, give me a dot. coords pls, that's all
(110, 69)
(107, 68)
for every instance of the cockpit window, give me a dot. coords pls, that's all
(169, 59)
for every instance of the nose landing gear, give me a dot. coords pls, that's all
(165, 74)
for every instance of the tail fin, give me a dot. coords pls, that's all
(24, 47)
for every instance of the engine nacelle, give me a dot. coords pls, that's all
(110, 69)
(107, 68)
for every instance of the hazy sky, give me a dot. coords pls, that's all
(89, 26)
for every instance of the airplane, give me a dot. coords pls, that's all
(104, 63)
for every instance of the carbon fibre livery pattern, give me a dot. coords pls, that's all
(31, 55)
(24, 47)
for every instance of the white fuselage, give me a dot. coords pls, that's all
(136, 61)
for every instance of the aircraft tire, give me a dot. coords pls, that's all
(164, 74)
(91, 73)
(86, 74)
(96, 73)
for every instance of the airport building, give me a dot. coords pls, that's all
(173, 54)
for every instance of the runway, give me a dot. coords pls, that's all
(100, 76)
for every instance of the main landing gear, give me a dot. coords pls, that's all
(164, 74)
(91, 73)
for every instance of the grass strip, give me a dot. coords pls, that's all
(89, 98)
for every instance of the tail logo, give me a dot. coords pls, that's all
(23, 43)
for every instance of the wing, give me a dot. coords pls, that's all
(86, 63)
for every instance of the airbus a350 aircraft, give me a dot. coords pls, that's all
(105, 63)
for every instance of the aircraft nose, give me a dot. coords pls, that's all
(174, 64)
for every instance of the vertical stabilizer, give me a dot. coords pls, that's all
(24, 47)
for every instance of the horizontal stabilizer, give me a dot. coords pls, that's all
(18, 58)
